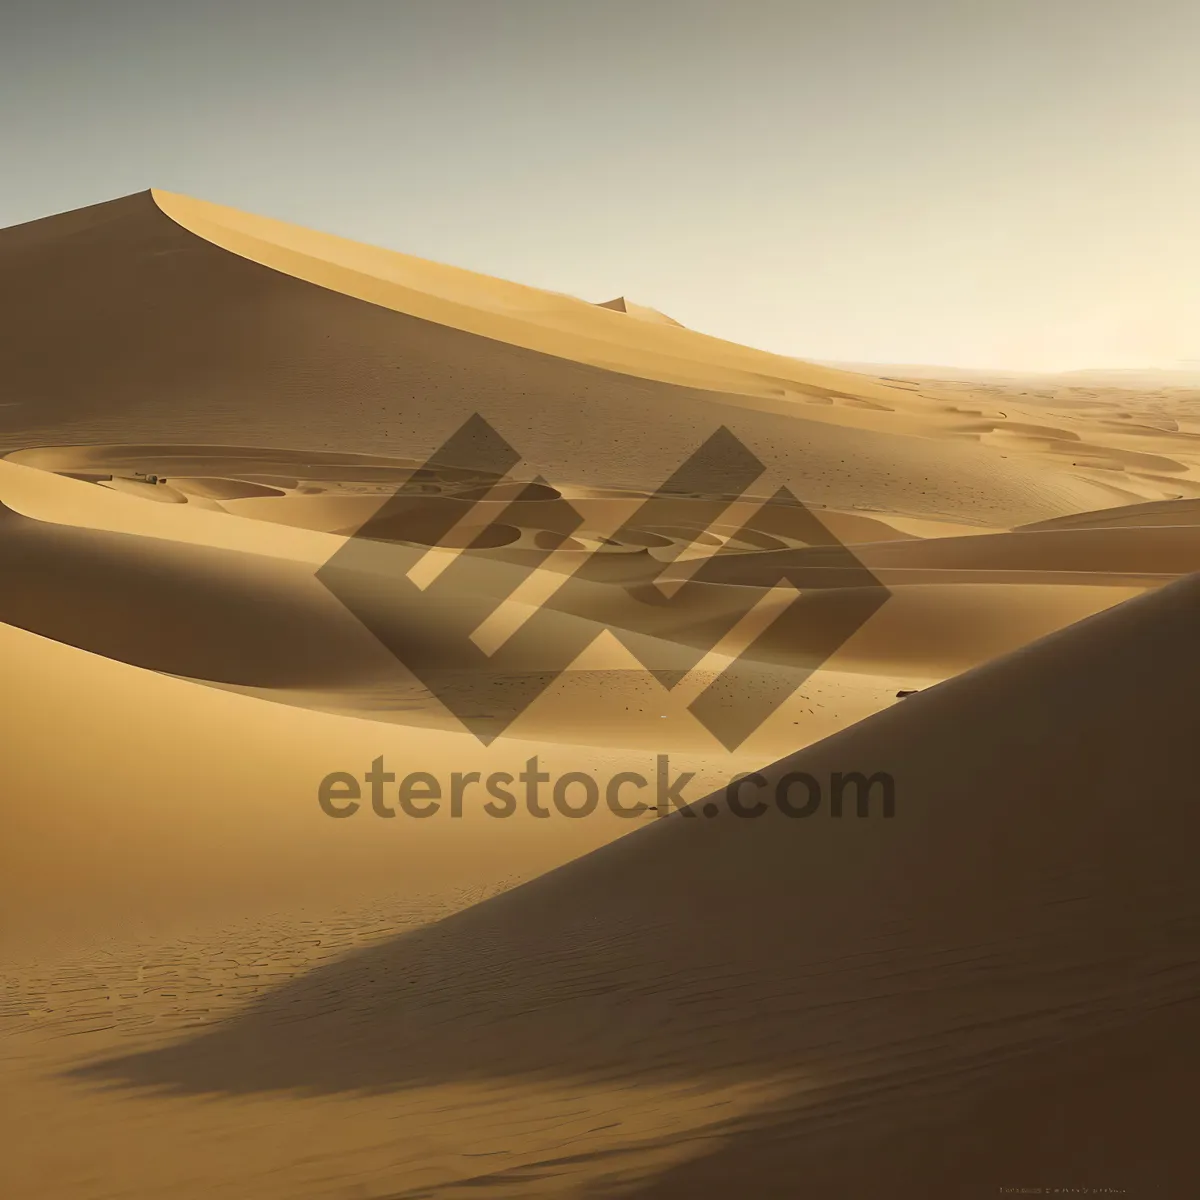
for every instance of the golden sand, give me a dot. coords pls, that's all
(213, 989)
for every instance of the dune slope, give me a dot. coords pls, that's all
(1031, 908)
(177, 339)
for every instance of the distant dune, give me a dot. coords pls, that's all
(1185, 375)
(620, 304)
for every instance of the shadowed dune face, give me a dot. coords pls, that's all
(1017, 903)
(185, 610)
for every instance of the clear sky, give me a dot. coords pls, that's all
(1006, 183)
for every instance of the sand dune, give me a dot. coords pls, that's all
(1118, 550)
(1023, 912)
(227, 615)
(1162, 512)
(249, 515)
(640, 311)
(176, 339)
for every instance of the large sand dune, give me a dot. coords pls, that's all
(207, 418)
(1020, 902)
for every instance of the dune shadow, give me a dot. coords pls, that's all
(196, 611)
(1006, 967)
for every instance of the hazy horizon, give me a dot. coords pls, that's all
(976, 186)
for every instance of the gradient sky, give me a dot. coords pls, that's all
(1003, 183)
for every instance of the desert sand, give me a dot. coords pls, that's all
(212, 988)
